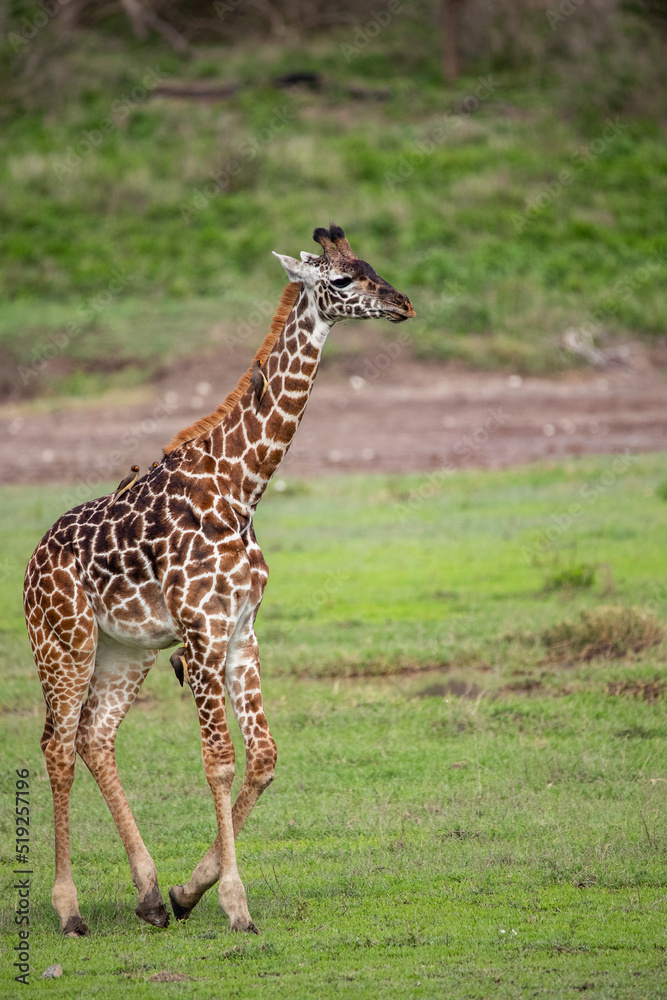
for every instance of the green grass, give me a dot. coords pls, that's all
(414, 816)
(463, 211)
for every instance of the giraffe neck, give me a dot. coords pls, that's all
(251, 441)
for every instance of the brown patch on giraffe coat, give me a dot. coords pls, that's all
(132, 610)
(292, 405)
(207, 465)
(280, 429)
(296, 383)
(235, 442)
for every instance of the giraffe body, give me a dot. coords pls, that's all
(175, 561)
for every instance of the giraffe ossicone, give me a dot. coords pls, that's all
(177, 563)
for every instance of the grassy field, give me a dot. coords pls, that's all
(488, 823)
(510, 207)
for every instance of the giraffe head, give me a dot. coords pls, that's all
(343, 286)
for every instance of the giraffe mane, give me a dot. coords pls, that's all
(207, 423)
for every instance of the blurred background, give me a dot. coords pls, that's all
(502, 163)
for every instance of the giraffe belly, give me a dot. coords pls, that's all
(151, 634)
(139, 620)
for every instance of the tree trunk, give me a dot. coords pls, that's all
(449, 22)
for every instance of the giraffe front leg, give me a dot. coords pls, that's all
(207, 679)
(243, 686)
(184, 898)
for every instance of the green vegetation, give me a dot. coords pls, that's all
(604, 631)
(507, 209)
(577, 575)
(494, 827)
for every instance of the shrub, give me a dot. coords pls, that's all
(578, 576)
(661, 490)
(605, 631)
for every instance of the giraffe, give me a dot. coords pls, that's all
(174, 561)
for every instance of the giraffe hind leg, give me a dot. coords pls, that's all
(118, 676)
(65, 675)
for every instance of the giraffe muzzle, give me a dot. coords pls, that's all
(400, 315)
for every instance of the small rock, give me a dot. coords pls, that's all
(53, 972)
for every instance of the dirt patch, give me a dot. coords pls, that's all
(169, 977)
(457, 688)
(408, 417)
(527, 685)
(646, 690)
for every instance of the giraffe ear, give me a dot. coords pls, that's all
(298, 270)
(308, 258)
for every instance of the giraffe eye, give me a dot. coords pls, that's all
(341, 282)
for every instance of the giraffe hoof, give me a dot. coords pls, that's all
(75, 928)
(180, 912)
(250, 928)
(153, 910)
